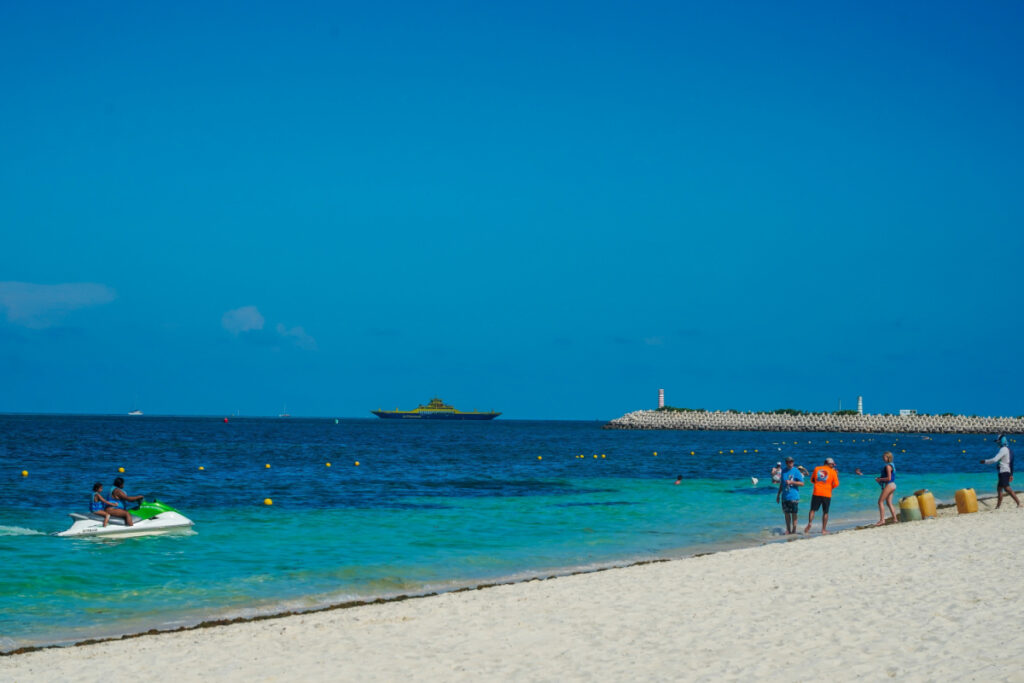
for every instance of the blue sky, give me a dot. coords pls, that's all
(548, 210)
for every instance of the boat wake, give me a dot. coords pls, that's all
(19, 531)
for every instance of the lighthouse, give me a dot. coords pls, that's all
(661, 398)
(860, 405)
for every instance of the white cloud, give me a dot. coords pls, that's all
(242, 319)
(302, 340)
(39, 306)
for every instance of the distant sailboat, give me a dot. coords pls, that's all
(284, 413)
(135, 412)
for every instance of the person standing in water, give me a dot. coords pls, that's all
(825, 478)
(777, 473)
(887, 481)
(789, 492)
(1005, 459)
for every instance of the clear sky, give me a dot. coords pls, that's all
(547, 209)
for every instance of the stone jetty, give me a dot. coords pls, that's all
(816, 422)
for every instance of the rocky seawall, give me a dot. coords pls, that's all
(822, 422)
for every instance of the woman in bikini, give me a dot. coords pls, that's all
(887, 481)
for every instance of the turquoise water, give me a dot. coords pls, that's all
(430, 507)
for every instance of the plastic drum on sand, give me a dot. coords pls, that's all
(925, 501)
(966, 501)
(910, 511)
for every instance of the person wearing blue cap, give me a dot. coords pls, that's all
(1005, 459)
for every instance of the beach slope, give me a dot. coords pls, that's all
(923, 600)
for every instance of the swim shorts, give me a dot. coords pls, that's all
(790, 506)
(822, 502)
(1004, 479)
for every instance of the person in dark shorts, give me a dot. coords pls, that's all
(1005, 459)
(825, 478)
(789, 493)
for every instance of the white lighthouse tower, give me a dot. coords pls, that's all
(860, 405)
(661, 398)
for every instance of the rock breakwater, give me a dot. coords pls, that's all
(816, 422)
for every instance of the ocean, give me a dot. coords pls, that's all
(431, 506)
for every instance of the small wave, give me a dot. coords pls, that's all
(19, 531)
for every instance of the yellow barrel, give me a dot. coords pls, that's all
(966, 501)
(925, 501)
(909, 509)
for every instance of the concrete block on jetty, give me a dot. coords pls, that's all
(816, 422)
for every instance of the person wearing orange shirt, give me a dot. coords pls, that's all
(825, 478)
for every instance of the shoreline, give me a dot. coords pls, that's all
(723, 547)
(928, 586)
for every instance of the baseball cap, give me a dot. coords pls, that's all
(830, 461)
(789, 459)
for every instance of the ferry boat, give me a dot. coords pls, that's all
(435, 410)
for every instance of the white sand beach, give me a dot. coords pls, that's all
(931, 600)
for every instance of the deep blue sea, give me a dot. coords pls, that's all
(431, 506)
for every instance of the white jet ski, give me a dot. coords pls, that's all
(151, 517)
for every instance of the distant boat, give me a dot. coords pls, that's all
(135, 412)
(285, 412)
(435, 410)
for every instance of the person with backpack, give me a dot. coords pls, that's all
(1005, 460)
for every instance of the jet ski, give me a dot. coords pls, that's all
(151, 517)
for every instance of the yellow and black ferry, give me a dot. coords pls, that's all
(435, 410)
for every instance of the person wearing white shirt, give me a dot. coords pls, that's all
(1005, 459)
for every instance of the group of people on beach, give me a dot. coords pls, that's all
(116, 505)
(825, 479)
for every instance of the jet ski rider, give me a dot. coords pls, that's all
(98, 505)
(120, 499)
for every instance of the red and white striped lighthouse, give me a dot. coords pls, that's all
(661, 398)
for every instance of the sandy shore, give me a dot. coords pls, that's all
(927, 600)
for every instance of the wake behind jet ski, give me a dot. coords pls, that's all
(150, 518)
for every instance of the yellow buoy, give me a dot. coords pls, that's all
(357, 463)
(267, 501)
(121, 470)
(963, 451)
(903, 451)
(744, 450)
(24, 473)
(267, 466)
(540, 457)
(719, 452)
(595, 455)
(755, 450)
(328, 464)
(201, 468)
(730, 450)
(602, 455)
(655, 452)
